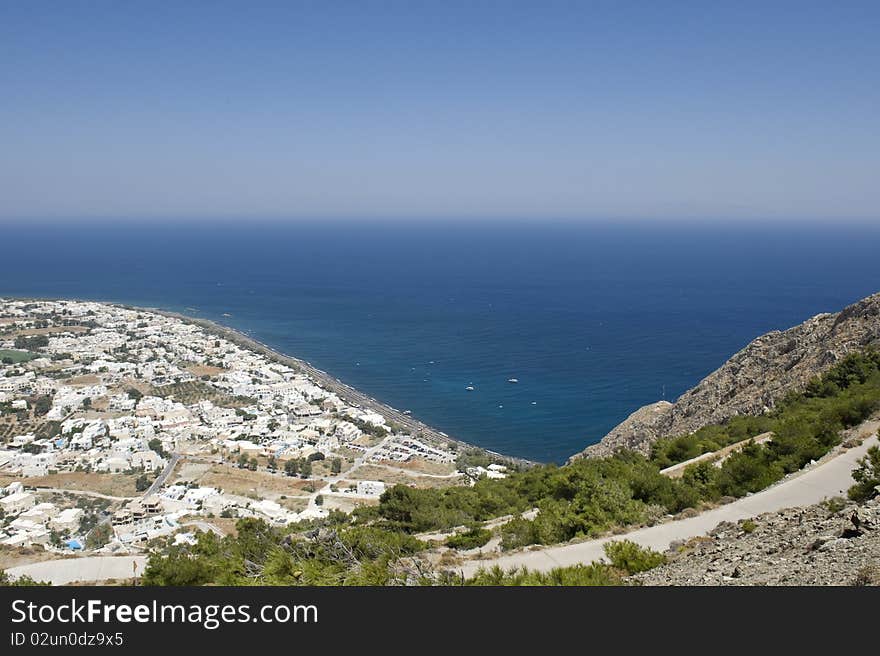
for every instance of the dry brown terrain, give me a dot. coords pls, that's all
(324, 467)
(14, 556)
(225, 524)
(101, 410)
(244, 482)
(116, 485)
(346, 504)
(392, 477)
(420, 465)
(189, 469)
(129, 383)
(89, 379)
(296, 504)
(204, 370)
(348, 454)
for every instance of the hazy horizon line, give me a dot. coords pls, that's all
(427, 220)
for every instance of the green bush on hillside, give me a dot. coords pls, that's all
(631, 558)
(596, 574)
(867, 476)
(586, 498)
(475, 537)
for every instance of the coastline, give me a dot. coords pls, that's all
(323, 378)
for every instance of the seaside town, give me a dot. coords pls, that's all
(120, 425)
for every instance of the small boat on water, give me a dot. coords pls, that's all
(226, 314)
(470, 388)
(513, 380)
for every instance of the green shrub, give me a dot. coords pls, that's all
(595, 574)
(21, 581)
(517, 533)
(867, 476)
(834, 504)
(631, 558)
(475, 537)
(586, 498)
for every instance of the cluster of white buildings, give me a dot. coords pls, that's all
(25, 522)
(105, 374)
(113, 445)
(492, 471)
(288, 413)
(161, 514)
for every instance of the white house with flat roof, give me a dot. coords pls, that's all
(17, 503)
(67, 520)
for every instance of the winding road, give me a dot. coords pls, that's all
(828, 478)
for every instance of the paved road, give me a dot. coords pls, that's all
(71, 570)
(829, 478)
(157, 484)
(160, 479)
(826, 479)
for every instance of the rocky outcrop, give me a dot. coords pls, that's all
(825, 544)
(754, 379)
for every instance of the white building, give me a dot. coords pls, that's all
(17, 503)
(67, 520)
(370, 488)
(347, 431)
(147, 460)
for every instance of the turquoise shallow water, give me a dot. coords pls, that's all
(592, 320)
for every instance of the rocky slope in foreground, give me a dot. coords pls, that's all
(752, 380)
(802, 546)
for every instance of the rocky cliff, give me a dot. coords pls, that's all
(754, 379)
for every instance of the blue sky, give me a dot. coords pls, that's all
(571, 110)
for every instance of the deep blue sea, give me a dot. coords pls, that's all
(593, 320)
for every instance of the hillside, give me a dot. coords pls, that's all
(753, 380)
(831, 543)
